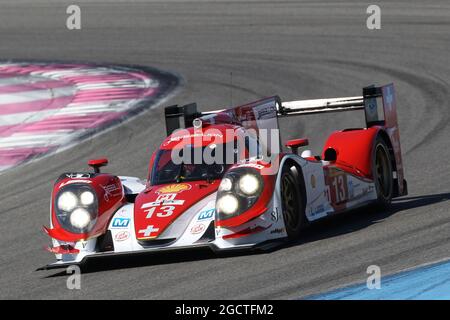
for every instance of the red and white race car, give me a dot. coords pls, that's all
(223, 182)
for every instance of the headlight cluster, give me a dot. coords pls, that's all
(76, 208)
(238, 191)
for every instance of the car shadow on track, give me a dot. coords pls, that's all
(328, 228)
(108, 263)
(361, 218)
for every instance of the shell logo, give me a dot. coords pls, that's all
(174, 188)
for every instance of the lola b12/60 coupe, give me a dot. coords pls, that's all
(223, 182)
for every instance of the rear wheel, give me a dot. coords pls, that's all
(292, 203)
(384, 182)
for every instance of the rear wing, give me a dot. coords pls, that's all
(315, 106)
(377, 102)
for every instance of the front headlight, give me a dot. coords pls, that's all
(80, 218)
(87, 198)
(226, 184)
(249, 184)
(238, 192)
(67, 201)
(76, 208)
(228, 204)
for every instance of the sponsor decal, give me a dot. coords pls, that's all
(78, 175)
(110, 191)
(120, 222)
(193, 135)
(275, 215)
(313, 211)
(147, 232)
(122, 236)
(367, 190)
(277, 230)
(265, 112)
(206, 214)
(198, 228)
(163, 203)
(122, 212)
(320, 209)
(74, 181)
(350, 189)
(252, 165)
(174, 188)
(371, 109)
(166, 197)
(162, 200)
(313, 181)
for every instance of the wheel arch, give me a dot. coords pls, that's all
(384, 135)
(291, 162)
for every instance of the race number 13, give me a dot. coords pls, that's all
(164, 211)
(338, 188)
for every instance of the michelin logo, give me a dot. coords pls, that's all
(120, 222)
(206, 214)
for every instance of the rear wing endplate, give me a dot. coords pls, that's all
(381, 108)
(173, 114)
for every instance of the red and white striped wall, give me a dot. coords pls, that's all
(47, 106)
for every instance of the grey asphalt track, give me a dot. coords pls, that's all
(304, 49)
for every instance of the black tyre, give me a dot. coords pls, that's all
(292, 202)
(382, 173)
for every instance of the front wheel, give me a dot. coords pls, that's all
(382, 173)
(292, 203)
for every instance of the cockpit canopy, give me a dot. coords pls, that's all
(202, 154)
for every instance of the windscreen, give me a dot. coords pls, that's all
(166, 170)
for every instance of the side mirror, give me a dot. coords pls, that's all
(294, 144)
(97, 163)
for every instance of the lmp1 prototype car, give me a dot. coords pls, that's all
(223, 182)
